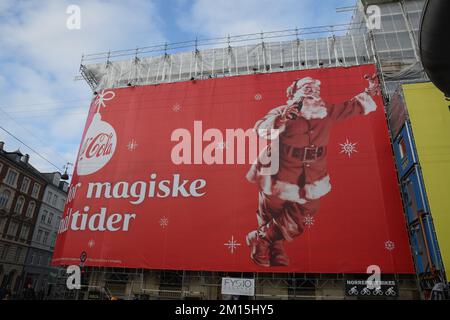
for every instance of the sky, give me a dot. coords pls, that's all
(41, 103)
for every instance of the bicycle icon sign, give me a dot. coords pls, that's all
(366, 291)
(390, 292)
(378, 292)
(353, 291)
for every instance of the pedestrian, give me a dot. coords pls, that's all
(2, 293)
(8, 294)
(28, 293)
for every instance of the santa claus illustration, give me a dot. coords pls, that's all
(290, 197)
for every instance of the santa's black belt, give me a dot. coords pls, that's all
(305, 154)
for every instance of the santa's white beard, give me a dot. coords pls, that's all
(313, 111)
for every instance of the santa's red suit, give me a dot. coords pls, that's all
(290, 197)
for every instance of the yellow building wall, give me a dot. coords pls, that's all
(430, 119)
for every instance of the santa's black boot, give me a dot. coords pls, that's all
(278, 256)
(260, 242)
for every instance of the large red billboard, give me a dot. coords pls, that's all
(279, 172)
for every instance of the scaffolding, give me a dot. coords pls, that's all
(237, 55)
(143, 284)
(393, 49)
(396, 41)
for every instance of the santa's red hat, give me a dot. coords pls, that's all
(297, 89)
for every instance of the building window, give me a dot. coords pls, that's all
(25, 185)
(53, 239)
(36, 189)
(55, 198)
(50, 218)
(11, 178)
(39, 236)
(49, 197)
(39, 260)
(12, 229)
(30, 209)
(32, 258)
(24, 232)
(57, 220)
(44, 240)
(2, 224)
(44, 216)
(18, 253)
(402, 148)
(19, 205)
(61, 204)
(4, 198)
(5, 251)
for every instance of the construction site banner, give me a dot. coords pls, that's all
(429, 115)
(272, 172)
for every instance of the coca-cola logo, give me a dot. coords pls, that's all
(98, 147)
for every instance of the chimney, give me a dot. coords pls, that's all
(2, 144)
(56, 178)
(25, 158)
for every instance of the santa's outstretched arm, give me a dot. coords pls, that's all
(362, 104)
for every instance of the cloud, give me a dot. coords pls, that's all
(39, 33)
(40, 57)
(222, 17)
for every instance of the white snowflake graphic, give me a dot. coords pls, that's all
(132, 145)
(222, 145)
(91, 243)
(232, 244)
(258, 97)
(389, 245)
(164, 222)
(176, 107)
(348, 147)
(309, 221)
